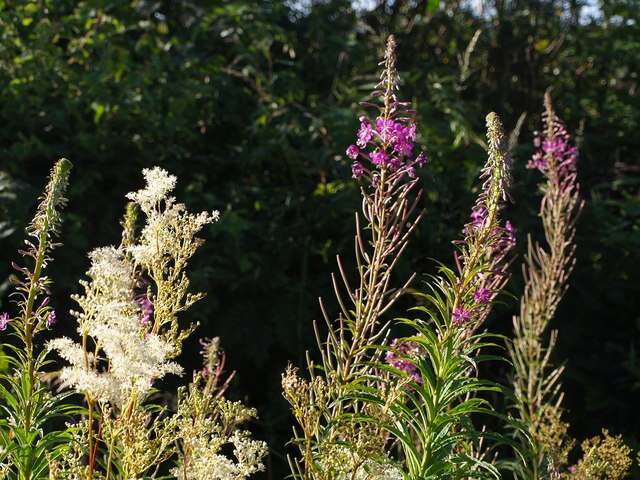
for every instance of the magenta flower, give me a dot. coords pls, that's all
(422, 159)
(365, 133)
(537, 161)
(558, 147)
(403, 139)
(511, 233)
(482, 295)
(460, 316)
(4, 321)
(395, 163)
(478, 215)
(386, 128)
(146, 310)
(353, 152)
(410, 132)
(379, 157)
(52, 319)
(397, 358)
(403, 148)
(357, 170)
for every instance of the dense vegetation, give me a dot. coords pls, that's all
(251, 105)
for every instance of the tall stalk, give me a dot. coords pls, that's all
(28, 404)
(332, 443)
(537, 391)
(434, 370)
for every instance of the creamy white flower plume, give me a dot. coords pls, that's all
(159, 184)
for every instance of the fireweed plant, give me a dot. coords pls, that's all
(28, 406)
(334, 442)
(433, 372)
(541, 434)
(129, 339)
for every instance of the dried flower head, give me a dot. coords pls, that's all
(604, 458)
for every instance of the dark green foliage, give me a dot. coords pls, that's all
(251, 103)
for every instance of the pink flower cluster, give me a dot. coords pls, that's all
(146, 310)
(4, 321)
(403, 357)
(557, 147)
(504, 239)
(391, 143)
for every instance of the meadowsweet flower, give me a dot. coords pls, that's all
(110, 315)
(460, 316)
(52, 319)
(159, 184)
(353, 152)
(4, 321)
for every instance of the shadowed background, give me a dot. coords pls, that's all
(252, 105)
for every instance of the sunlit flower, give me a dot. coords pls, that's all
(460, 316)
(4, 321)
(482, 295)
(365, 133)
(52, 319)
(357, 170)
(379, 157)
(353, 152)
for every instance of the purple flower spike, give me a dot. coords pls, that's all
(146, 310)
(52, 319)
(4, 321)
(554, 145)
(353, 152)
(460, 316)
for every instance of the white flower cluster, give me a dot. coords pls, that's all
(132, 358)
(208, 464)
(159, 185)
(168, 223)
(343, 461)
(377, 471)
